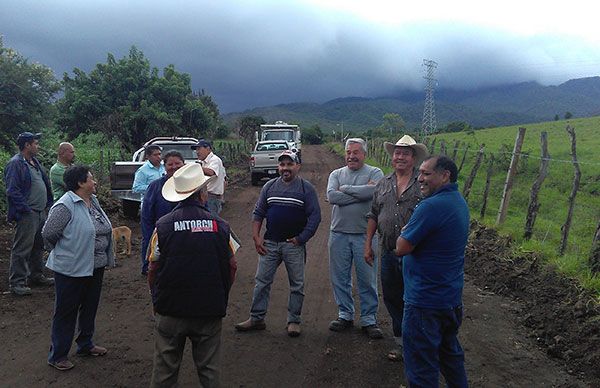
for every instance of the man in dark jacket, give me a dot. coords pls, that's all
(29, 196)
(191, 271)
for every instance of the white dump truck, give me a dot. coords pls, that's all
(281, 131)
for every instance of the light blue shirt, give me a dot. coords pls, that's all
(145, 175)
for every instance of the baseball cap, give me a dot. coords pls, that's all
(201, 143)
(289, 154)
(25, 137)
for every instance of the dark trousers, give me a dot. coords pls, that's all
(431, 346)
(392, 285)
(146, 236)
(27, 250)
(76, 303)
(170, 336)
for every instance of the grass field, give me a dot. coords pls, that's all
(553, 197)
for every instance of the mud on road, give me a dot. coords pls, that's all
(523, 326)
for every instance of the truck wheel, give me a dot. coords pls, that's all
(130, 208)
(255, 179)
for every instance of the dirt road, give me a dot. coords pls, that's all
(499, 350)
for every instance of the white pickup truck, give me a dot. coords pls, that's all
(281, 131)
(263, 159)
(122, 173)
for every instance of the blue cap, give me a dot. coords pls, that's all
(26, 137)
(202, 143)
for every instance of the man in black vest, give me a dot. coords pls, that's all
(191, 271)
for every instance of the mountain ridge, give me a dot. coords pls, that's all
(508, 104)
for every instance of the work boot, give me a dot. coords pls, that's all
(250, 324)
(41, 281)
(20, 290)
(340, 324)
(372, 331)
(293, 329)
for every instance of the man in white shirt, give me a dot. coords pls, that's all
(212, 165)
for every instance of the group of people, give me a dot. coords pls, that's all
(414, 220)
(412, 223)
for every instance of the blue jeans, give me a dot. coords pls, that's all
(76, 302)
(344, 249)
(214, 205)
(294, 258)
(431, 345)
(392, 285)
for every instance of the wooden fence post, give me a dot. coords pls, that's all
(510, 175)
(576, 178)
(462, 162)
(471, 178)
(534, 206)
(594, 260)
(432, 148)
(486, 190)
(443, 147)
(455, 150)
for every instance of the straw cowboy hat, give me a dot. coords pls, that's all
(406, 141)
(185, 182)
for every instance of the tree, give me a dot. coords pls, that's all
(26, 95)
(456, 126)
(247, 125)
(313, 135)
(128, 99)
(568, 115)
(556, 117)
(392, 122)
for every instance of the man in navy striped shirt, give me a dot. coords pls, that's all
(291, 208)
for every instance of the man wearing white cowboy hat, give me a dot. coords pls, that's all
(191, 271)
(394, 200)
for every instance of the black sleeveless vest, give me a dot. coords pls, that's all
(193, 278)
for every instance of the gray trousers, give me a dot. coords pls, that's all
(170, 335)
(28, 249)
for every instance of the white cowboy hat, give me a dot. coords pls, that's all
(406, 141)
(185, 182)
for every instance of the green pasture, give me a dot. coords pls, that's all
(553, 196)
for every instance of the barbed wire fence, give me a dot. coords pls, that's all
(464, 155)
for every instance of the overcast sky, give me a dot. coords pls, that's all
(256, 53)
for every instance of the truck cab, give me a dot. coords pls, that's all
(281, 131)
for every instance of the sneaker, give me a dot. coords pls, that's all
(20, 290)
(94, 351)
(61, 365)
(395, 354)
(250, 324)
(340, 324)
(41, 281)
(293, 329)
(372, 331)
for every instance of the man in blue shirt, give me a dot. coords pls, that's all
(29, 196)
(433, 245)
(150, 171)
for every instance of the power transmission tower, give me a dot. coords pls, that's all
(429, 122)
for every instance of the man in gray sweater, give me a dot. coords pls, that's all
(350, 191)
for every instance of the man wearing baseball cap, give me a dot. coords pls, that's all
(212, 165)
(291, 208)
(29, 195)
